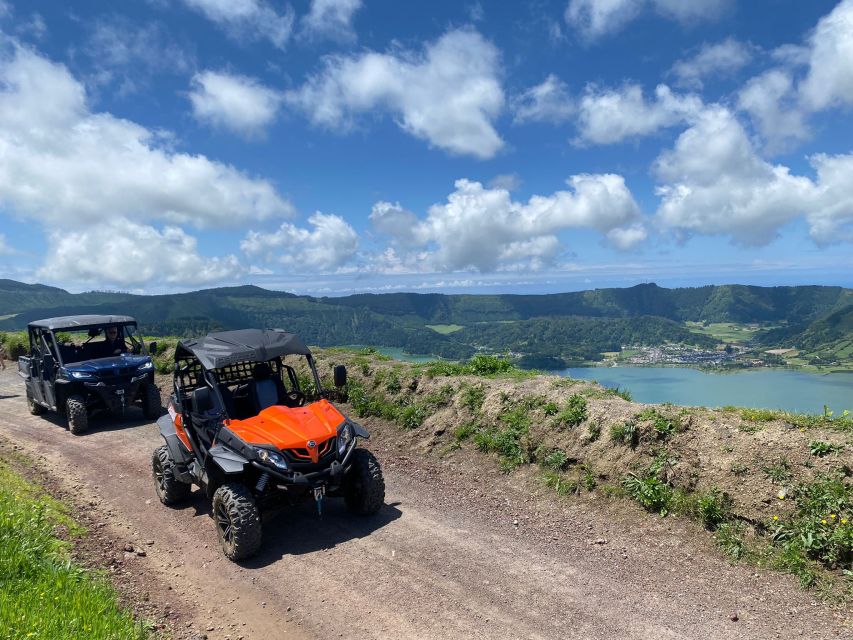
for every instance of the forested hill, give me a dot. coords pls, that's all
(569, 325)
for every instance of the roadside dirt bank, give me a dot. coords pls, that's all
(460, 550)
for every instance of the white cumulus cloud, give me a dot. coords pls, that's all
(330, 244)
(485, 229)
(714, 182)
(252, 19)
(122, 253)
(66, 165)
(450, 94)
(596, 18)
(548, 101)
(331, 19)
(771, 101)
(234, 102)
(830, 76)
(607, 116)
(722, 58)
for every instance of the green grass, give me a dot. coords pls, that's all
(480, 365)
(730, 332)
(445, 329)
(625, 433)
(43, 594)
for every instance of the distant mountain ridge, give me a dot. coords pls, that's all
(570, 325)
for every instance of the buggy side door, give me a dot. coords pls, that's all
(33, 366)
(48, 365)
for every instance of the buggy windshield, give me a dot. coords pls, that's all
(90, 343)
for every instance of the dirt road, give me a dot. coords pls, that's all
(455, 553)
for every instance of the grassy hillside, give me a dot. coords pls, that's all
(546, 328)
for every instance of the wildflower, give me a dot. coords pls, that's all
(823, 521)
(775, 518)
(832, 516)
(843, 520)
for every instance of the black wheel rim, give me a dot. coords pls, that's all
(224, 524)
(160, 477)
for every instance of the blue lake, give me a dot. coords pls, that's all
(762, 388)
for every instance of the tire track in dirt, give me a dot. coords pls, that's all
(441, 559)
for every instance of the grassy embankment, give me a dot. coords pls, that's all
(44, 595)
(776, 492)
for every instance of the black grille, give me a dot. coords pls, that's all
(114, 373)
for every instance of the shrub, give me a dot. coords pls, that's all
(550, 408)
(713, 508)
(473, 397)
(465, 431)
(574, 412)
(820, 448)
(556, 460)
(412, 416)
(651, 493)
(626, 433)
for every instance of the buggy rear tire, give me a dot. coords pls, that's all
(151, 405)
(364, 486)
(35, 408)
(170, 490)
(75, 413)
(237, 520)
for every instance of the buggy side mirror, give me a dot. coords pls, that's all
(94, 333)
(152, 349)
(340, 376)
(47, 362)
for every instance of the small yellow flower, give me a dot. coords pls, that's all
(843, 520)
(832, 515)
(823, 521)
(775, 518)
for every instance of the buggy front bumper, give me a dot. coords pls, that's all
(329, 476)
(116, 397)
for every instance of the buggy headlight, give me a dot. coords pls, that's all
(272, 458)
(344, 438)
(81, 375)
(145, 366)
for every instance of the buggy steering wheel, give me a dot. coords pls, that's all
(295, 399)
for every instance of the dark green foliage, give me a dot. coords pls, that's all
(713, 508)
(820, 448)
(465, 431)
(473, 397)
(574, 412)
(652, 493)
(822, 527)
(625, 433)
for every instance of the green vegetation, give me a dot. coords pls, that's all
(663, 426)
(574, 412)
(652, 493)
(473, 397)
(479, 365)
(43, 594)
(820, 448)
(547, 331)
(625, 433)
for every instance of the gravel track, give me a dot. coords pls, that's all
(457, 552)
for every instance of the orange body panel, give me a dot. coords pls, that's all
(182, 434)
(290, 428)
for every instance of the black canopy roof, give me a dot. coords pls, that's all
(72, 322)
(217, 350)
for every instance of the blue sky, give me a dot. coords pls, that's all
(333, 146)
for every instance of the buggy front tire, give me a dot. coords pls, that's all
(75, 413)
(170, 490)
(34, 407)
(364, 486)
(151, 404)
(237, 520)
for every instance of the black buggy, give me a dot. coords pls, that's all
(79, 365)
